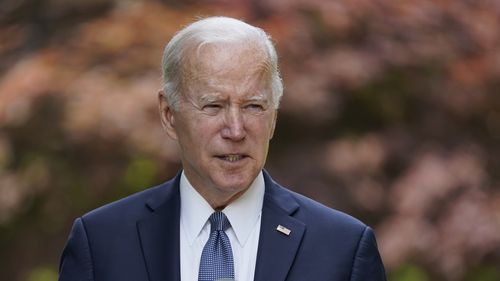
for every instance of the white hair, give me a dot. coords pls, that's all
(215, 30)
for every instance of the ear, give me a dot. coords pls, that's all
(166, 115)
(273, 124)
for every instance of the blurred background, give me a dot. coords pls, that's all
(391, 113)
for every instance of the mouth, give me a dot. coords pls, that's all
(232, 157)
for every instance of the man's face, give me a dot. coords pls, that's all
(224, 121)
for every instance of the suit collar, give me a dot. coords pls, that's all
(167, 191)
(278, 196)
(159, 233)
(277, 250)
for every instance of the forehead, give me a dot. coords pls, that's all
(226, 64)
(227, 56)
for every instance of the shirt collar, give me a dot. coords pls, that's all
(243, 213)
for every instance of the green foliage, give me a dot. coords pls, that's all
(484, 273)
(409, 272)
(42, 274)
(139, 174)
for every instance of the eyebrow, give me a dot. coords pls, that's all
(209, 98)
(258, 98)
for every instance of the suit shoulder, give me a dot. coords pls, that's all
(132, 206)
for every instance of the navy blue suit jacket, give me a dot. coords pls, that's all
(137, 238)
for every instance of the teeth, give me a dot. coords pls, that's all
(232, 158)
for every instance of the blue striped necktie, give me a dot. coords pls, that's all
(217, 256)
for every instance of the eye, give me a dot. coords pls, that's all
(212, 108)
(254, 107)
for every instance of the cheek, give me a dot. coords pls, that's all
(263, 128)
(203, 133)
(197, 125)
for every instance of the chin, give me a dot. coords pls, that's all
(235, 182)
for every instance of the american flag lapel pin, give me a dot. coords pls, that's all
(283, 230)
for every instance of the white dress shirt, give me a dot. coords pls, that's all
(244, 214)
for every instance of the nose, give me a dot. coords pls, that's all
(234, 127)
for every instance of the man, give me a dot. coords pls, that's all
(222, 217)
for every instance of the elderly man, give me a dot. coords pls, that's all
(222, 217)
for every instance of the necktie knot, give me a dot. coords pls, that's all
(218, 221)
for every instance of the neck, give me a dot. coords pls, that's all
(218, 203)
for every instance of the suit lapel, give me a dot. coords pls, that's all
(159, 234)
(277, 250)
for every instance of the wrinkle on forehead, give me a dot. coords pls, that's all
(230, 60)
(215, 97)
(228, 68)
